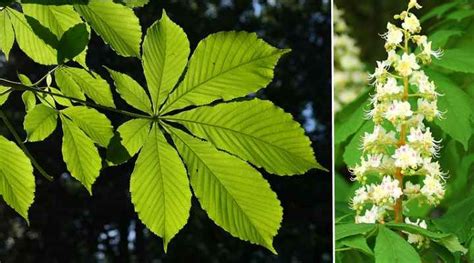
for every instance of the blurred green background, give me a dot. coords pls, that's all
(67, 225)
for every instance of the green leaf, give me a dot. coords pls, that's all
(29, 99)
(392, 248)
(7, 36)
(459, 60)
(134, 3)
(357, 242)
(60, 100)
(79, 153)
(352, 152)
(68, 85)
(235, 195)
(115, 23)
(74, 42)
(439, 38)
(17, 183)
(131, 91)
(95, 124)
(134, 133)
(255, 130)
(351, 118)
(457, 108)
(29, 42)
(57, 18)
(225, 65)
(159, 187)
(75, 80)
(4, 94)
(351, 229)
(450, 241)
(40, 122)
(116, 153)
(165, 55)
(459, 219)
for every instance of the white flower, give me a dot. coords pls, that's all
(428, 51)
(370, 217)
(360, 197)
(389, 89)
(414, 3)
(398, 111)
(392, 187)
(392, 57)
(411, 23)
(428, 109)
(394, 35)
(411, 190)
(432, 189)
(378, 139)
(380, 71)
(407, 64)
(432, 169)
(406, 157)
(423, 141)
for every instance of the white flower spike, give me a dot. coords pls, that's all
(398, 156)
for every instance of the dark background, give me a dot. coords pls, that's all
(68, 225)
(367, 19)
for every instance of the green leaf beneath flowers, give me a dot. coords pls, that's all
(390, 247)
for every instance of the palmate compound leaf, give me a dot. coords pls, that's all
(38, 49)
(165, 55)
(225, 65)
(95, 124)
(40, 122)
(17, 183)
(131, 91)
(256, 131)
(7, 36)
(160, 188)
(235, 195)
(116, 24)
(75, 82)
(80, 154)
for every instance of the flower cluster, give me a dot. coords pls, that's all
(398, 162)
(349, 75)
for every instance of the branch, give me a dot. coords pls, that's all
(20, 86)
(23, 147)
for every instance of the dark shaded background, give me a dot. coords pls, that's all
(367, 19)
(67, 225)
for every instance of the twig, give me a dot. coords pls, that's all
(23, 147)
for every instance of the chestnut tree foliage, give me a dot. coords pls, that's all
(193, 131)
